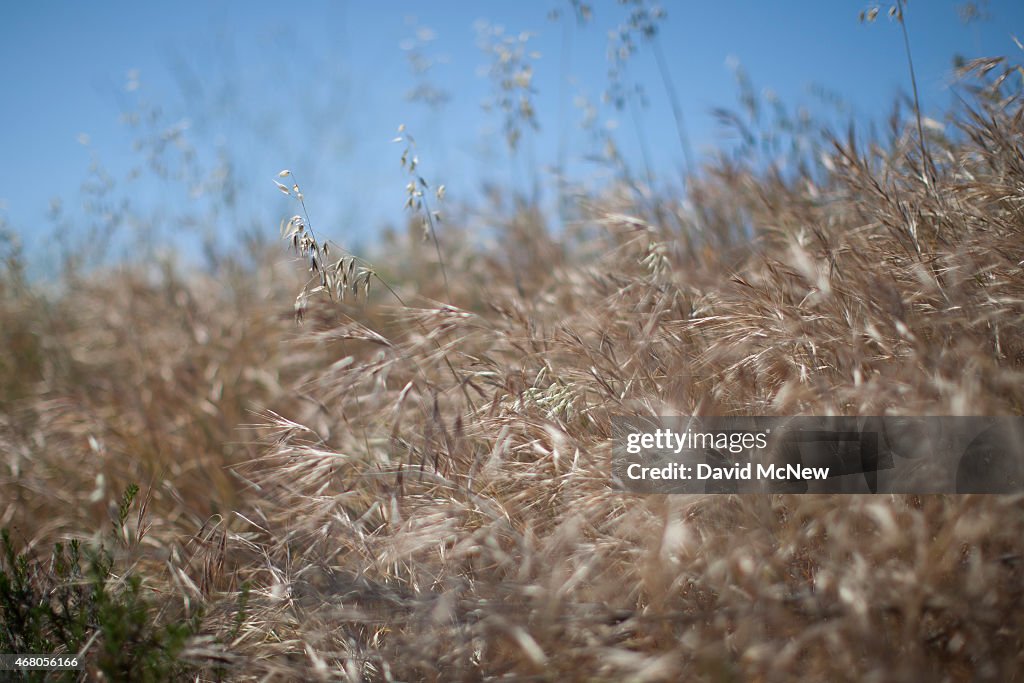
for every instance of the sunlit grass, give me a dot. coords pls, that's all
(414, 484)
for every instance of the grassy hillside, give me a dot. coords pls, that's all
(414, 484)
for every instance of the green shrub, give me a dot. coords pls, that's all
(78, 604)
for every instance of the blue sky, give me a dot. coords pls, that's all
(320, 88)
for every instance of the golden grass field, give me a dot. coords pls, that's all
(414, 485)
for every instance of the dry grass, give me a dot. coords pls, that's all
(427, 495)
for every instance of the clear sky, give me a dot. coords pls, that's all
(320, 88)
